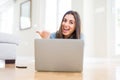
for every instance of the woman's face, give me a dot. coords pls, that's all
(68, 25)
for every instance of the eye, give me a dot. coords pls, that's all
(64, 20)
(71, 22)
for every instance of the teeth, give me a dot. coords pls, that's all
(66, 29)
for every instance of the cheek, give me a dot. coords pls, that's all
(72, 28)
(62, 24)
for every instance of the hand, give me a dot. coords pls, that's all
(44, 34)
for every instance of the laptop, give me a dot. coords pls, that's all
(59, 55)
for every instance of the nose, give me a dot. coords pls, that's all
(66, 24)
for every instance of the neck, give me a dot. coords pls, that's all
(66, 37)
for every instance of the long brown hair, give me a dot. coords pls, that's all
(76, 33)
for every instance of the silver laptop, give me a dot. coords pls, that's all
(59, 55)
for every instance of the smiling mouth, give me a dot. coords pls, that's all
(65, 30)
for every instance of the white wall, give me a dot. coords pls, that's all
(97, 28)
(100, 27)
(26, 46)
(88, 27)
(110, 28)
(94, 23)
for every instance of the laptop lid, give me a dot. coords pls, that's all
(58, 55)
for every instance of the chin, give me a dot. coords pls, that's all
(65, 34)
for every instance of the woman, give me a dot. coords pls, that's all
(70, 28)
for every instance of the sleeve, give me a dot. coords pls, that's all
(53, 35)
(81, 37)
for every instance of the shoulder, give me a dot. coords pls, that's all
(53, 35)
(82, 36)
